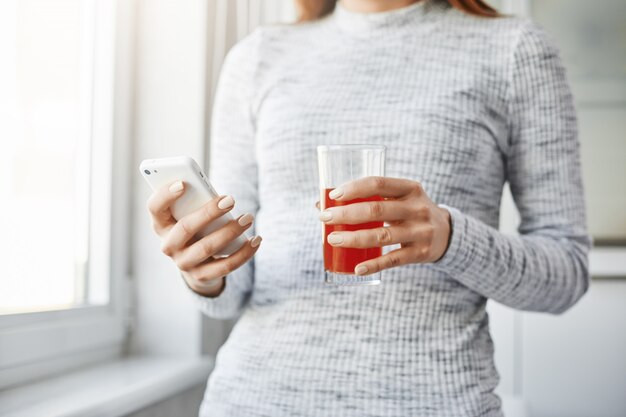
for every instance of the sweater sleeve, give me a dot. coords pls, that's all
(233, 166)
(545, 268)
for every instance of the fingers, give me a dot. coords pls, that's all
(224, 266)
(159, 205)
(375, 186)
(357, 213)
(209, 245)
(392, 259)
(188, 226)
(375, 238)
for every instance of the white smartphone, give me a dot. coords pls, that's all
(198, 192)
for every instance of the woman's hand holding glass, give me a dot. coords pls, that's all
(413, 220)
(194, 257)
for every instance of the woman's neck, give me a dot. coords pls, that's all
(375, 6)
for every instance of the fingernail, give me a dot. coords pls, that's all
(245, 220)
(176, 187)
(226, 202)
(336, 193)
(256, 241)
(335, 238)
(360, 270)
(326, 215)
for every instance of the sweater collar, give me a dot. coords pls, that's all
(366, 23)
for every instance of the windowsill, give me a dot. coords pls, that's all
(112, 389)
(608, 262)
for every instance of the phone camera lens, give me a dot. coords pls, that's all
(146, 171)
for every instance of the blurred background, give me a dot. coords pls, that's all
(95, 321)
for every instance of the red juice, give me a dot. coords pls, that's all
(344, 260)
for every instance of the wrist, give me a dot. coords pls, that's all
(445, 232)
(211, 288)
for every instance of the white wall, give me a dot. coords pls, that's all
(572, 365)
(180, 46)
(169, 120)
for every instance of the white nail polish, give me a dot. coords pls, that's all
(326, 215)
(176, 187)
(245, 220)
(360, 270)
(336, 193)
(226, 202)
(256, 241)
(335, 238)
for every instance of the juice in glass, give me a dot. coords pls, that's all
(339, 164)
(344, 260)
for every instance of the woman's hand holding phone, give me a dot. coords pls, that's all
(203, 273)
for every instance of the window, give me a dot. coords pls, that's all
(45, 157)
(58, 288)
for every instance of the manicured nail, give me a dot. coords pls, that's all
(326, 215)
(335, 238)
(256, 241)
(336, 193)
(245, 220)
(226, 202)
(176, 187)
(360, 270)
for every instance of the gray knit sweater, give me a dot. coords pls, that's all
(463, 104)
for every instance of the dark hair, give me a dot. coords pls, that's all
(315, 9)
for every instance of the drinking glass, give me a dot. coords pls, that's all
(339, 164)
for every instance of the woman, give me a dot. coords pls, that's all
(465, 101)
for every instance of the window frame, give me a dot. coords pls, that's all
(37, 344)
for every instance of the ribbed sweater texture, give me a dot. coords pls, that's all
(463, 104)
